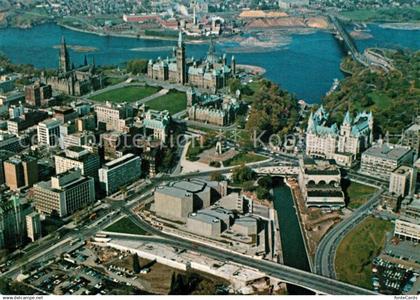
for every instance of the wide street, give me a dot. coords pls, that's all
(54, 247)
(325, 255)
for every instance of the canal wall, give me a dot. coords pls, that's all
(302, 230)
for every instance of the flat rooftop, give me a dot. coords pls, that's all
(387, 151)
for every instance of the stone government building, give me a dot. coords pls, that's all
(210, 74)
(74, 81)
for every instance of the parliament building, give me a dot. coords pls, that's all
(210, 74)
(74, 81)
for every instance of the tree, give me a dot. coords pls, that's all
(136, 264)
(137, 66)
(266, 182)
(234, 84)
(248, 186)
(168, 159)
(242, 174)
(262, 193)
(217, 176)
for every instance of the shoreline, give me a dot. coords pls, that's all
(138, 37)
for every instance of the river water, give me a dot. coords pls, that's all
(305, 67)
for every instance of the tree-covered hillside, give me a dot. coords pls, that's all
(393, 97)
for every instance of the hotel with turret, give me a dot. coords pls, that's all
(210, 74)
(342, 144)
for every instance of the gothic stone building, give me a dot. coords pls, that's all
(74, 81)
(211, 73)
(219, 109)
(342, 144)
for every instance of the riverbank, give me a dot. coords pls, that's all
(296, 196)
(134, 36)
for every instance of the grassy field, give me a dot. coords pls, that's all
(358, 194)
(384, 14)
(173, 102)
(243, 158)
(125, 225)
(113, 80)
(126, 94)
(356, 252)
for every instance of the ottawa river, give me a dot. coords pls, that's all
(305, 67)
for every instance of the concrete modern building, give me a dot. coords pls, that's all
(4, 156)
(342, 144)
(382, 159)
(49, 132)
(64, 193)
(246, 226)
(233, 202)
(37, 94)
(11, 142)
(119, 172)
(77, 157)
(65, 113)
(205, 225)
(402, 181)
(33, 226)
(319, 181)
(178, 199)
(12, 221)
(407, 227)
(411, 136)
(25, 121)
(113, 117)
(20, 171)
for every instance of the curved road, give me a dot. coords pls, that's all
(308, 280)
(325, 254)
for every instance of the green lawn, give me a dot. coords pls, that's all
(393, 14)
(125, 225)
(243, 158)
(113, 80)
(173, 102)
(358, 194)
(356, 252)
(126, 94)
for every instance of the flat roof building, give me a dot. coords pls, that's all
(381, 160)
(49, 132)
(407, 227)
(78, 157)
(178, 199)
(205, 225)
(20, 171)
(119, 172)
(64, 193)
(402, 181)
(319, 181)
(33, 226)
